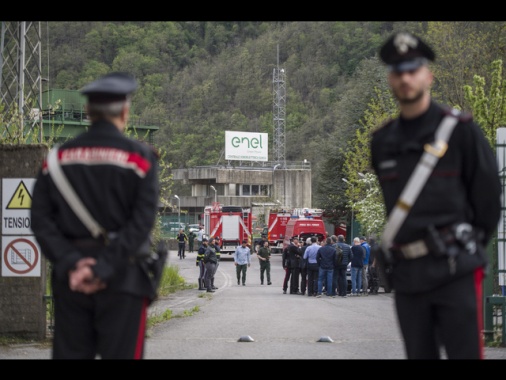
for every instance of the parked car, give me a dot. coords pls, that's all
(173, 226)
(193, 228)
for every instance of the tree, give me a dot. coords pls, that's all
(488, 111)
(463, 49)
(364, 195)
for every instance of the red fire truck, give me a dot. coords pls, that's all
(276, 229)
(231, 224)
(304, 228)
(278, 220)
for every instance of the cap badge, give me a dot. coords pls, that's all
(404, 41)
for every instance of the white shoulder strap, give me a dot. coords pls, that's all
(432, 153)
(70, 195)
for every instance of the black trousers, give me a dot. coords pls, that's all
(104, 325)
(448, 317)
(373, 279)
(288, 273)
(312, 278)
(303, 279)
(294, 280)
(180, 252)
(342, 282)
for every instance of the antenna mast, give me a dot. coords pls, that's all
(279, 112)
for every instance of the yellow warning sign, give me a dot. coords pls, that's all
(22, 199)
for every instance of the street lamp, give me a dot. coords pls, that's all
(178, 210)
(352, 216)
(215, 193)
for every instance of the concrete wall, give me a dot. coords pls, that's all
(292, 187)
(22, 304)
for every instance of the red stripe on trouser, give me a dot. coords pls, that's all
(478, 286)
(139, 347)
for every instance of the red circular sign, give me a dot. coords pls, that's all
(19, 256)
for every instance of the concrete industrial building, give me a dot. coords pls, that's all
(259, 187)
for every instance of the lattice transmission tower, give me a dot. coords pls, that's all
(20, 78)
(279, 113)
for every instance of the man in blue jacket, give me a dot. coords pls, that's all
(326, 258)
(357, 265)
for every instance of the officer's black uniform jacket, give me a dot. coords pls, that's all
(181, 238)
(117, 180)
(464, 187)
(294, 256)
(285, 260)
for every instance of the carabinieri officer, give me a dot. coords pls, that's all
(439, 250)
(101, 293)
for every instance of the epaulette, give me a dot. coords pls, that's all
(462, 116)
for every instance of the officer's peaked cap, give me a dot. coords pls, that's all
(405, 51)
(110, 87)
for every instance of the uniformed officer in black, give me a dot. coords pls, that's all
(438, 298)
(101, 294)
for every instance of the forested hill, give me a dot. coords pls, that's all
(199, 79)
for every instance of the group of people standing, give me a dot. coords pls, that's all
(364, 274)
(208, 259)
(312, 265)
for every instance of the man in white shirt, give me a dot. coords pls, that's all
(200, 235)
(242, 260)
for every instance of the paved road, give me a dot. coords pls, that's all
(282, 326)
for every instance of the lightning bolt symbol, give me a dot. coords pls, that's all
(21, 195)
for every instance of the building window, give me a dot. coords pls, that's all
(252, 190)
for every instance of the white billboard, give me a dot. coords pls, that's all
(246, 146)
